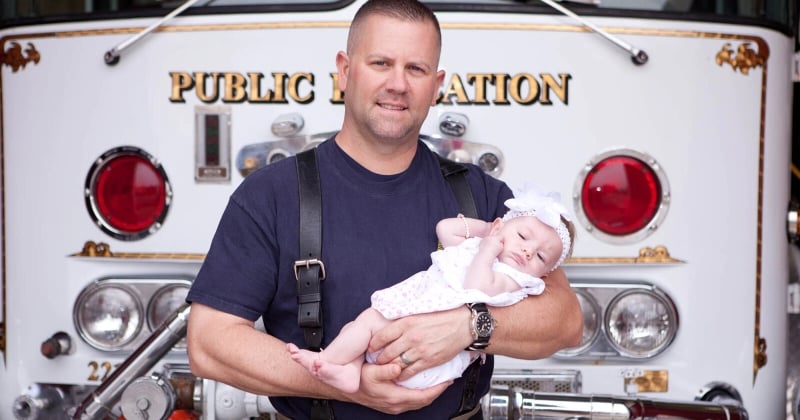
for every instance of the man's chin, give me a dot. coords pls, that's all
(395, 133)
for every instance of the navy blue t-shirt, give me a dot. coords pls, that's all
(376, 231)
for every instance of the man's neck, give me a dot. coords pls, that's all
(384, 158)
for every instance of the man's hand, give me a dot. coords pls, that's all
(426, 340)
(379, 391)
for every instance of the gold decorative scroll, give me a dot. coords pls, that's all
(744, 58)
(16, 58)
(647, 255)
(102, 250)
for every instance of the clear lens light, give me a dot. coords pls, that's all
(640, 324)
(591, 325)
(164, 303)
(108, 316)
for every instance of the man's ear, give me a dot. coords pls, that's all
(342, 66)
(439, 80)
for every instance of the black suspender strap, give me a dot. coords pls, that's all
(309, 269)
(456, 176)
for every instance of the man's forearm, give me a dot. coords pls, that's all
(539, 326)
(230, 350)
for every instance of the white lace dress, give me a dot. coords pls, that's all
(439, 288)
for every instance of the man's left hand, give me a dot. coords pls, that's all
(424, 340)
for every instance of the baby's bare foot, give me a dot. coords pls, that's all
(304, 357)
(343, 377)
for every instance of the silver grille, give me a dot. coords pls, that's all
(567, 381)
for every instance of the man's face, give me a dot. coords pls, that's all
(390, 78)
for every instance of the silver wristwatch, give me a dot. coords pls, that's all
(482, 324)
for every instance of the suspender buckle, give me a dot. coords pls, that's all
(307, 264)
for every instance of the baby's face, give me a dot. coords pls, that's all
(529, 245)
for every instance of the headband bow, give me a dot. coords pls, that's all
(545, 206)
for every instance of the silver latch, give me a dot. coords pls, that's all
(793, 298)
(308, 263)
(796, 67)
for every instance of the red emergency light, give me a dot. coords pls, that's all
(127, 193)
(621, 195)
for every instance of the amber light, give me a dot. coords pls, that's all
(128, 193)
(621, 195)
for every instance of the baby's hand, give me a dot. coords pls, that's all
(492, 245)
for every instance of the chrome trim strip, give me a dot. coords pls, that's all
(503, 403)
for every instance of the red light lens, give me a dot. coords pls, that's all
(621, 195)
(130, 193)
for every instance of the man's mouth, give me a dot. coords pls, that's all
(392, 107)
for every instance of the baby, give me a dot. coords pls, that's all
(498, 263)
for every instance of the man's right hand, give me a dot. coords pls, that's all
(379, 391)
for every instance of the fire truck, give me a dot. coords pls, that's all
(666, 125)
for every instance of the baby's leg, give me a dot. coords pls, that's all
(353, 339)
(339, 364)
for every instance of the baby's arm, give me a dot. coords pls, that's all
(454, 230)
(480, 274)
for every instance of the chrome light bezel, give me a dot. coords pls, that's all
(654, 223)
(668, 311)
(152, 322)
(93, 291)
(144, 289)
(588, 303)
(604, 293)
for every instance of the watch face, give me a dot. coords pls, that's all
(484, 325)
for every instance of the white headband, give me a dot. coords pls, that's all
(547, 207)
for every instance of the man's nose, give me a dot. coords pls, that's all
(398, 80)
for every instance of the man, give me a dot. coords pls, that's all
(382, 194)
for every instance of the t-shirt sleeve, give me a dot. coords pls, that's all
(238, 273)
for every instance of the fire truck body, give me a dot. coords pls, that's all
(119, 152)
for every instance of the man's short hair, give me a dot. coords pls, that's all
(408, 10)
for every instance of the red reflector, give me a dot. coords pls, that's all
(128, 194)
(621, 195)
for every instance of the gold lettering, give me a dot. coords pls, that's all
(99, 371)
(235, 88)
(181, 81)
(93, 368)
(200, 82)
(522, 88)
(454, 88)
(280, 88)
(551, 84)
(337, 97)
(517, 83)
(500, 93)
(294, 83)
(255, 88)
(479, 81)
